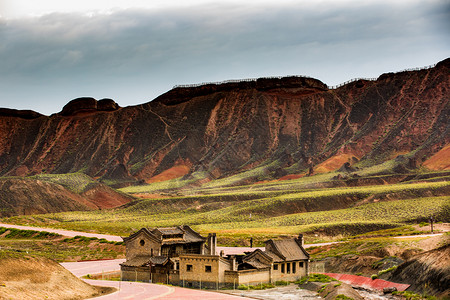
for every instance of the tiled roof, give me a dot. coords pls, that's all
(257, 263)
(290, 249)
(159, 260)
(137, 261)
(275, 257)
(169, 230)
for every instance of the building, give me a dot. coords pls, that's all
(181, 256)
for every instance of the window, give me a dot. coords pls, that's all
(300, 264)
(208, 269)
(142, 242)
(288, 268)
(275, 266)
(282, 268)
(294, 267)
(189, 268)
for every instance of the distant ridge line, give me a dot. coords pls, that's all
(287, 76)
(374, 79)
(236, 81)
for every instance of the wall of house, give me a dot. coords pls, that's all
(205, 270)
(285, 271)
(135, 274)
(253, 277)
(134, 247)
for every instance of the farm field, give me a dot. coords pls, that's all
(319, 206)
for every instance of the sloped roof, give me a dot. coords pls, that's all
(144, 231)
(192, 236)
(185, 234)
(274, 256)
(257, 264)
(137, 261)
(167, 231)
(289, 249)
(159, 260)
(257, 259)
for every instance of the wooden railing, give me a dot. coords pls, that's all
(280, 77)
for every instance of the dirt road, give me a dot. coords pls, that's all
(68, 233)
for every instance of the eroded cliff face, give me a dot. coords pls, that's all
(293, 123)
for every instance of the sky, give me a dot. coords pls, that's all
(134, 50)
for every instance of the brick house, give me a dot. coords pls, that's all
(181, 256)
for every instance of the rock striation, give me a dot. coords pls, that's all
(293, 124)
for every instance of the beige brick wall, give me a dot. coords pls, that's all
(201, 264)
(289, 274)
(253, 277)
(134, 247)
(135, 274)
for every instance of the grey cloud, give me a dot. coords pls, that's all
(328, 40)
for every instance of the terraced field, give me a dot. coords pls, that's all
(320, 206)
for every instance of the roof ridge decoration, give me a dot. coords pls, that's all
(146, 231)
(256, 253)
(192, 231)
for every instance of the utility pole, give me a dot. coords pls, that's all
(431, 223)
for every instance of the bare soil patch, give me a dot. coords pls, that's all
(29, 277)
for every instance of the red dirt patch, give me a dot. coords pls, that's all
(172, 173)
(292, 176)
(440, 160)
(333, 163)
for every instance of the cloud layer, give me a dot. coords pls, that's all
(134, 55)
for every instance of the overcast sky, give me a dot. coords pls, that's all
(134, 50)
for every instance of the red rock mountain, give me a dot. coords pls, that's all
(289, 124)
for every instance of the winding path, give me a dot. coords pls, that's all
(137, 290)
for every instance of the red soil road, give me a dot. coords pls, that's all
(367, 283)
(137, 290)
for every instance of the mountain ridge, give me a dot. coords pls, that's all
(294, 124)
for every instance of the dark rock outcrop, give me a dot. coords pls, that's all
(23, 114)
(88, 104)
(427, 272)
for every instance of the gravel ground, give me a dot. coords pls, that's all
(290, 292)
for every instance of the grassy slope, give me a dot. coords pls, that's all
(308, 204)
(56, 247)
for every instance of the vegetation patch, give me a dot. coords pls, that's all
(16, 242)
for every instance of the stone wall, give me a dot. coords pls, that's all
(136, 274)
(141, 245)
(203, 270)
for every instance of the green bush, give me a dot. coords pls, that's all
(281, 282)
(374, 276)
(322, 288)
(387, 270)
(243, 287)
(342, 297)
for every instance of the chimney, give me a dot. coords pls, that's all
(300, 239)
(233, 263)
(212, 243)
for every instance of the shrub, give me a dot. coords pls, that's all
(387, 270)
(281, 282)
(374, 276)
(342, 297)
(322, 288)
(242, 287)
